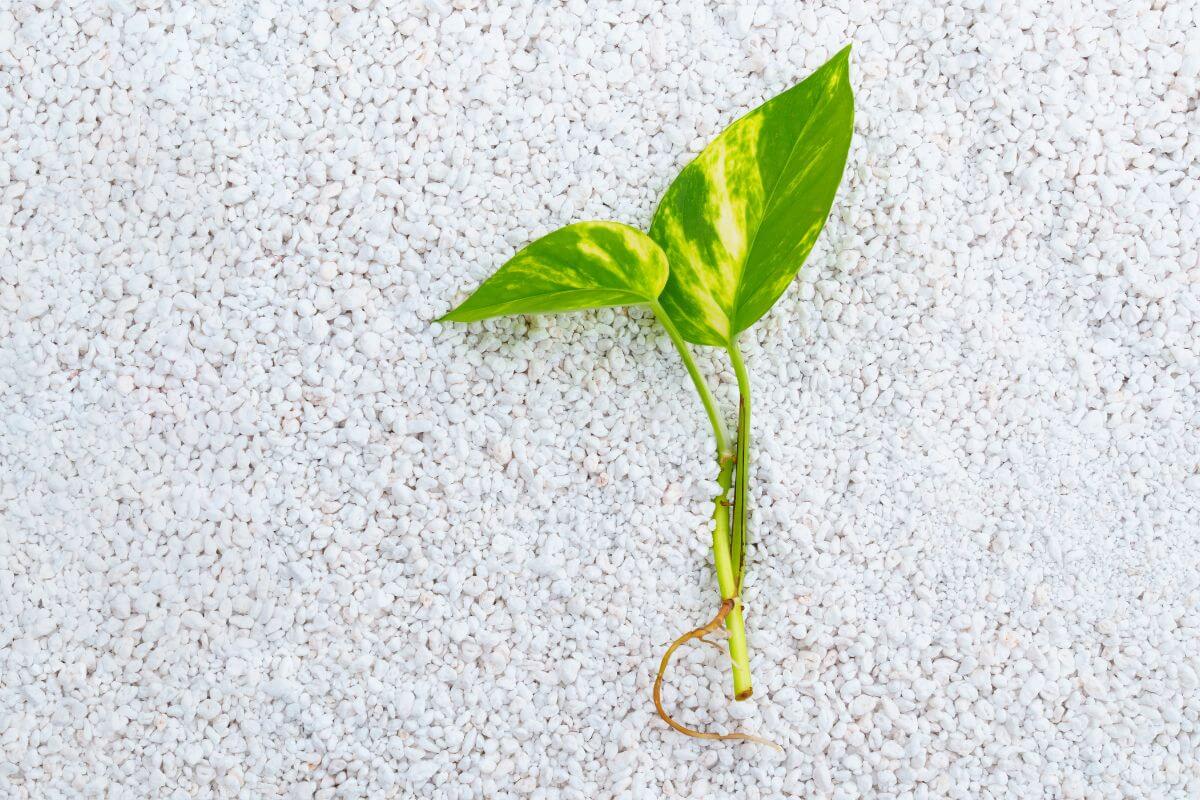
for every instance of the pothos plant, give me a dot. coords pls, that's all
(728, 237)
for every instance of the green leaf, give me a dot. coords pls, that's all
(585, 265)
(741, 218)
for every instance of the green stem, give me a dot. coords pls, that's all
(727, 578)
(739, 656)
(706, 395)
(741, 505)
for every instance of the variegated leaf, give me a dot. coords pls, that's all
(585, 265)
(741, 218)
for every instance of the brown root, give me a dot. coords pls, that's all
(700, 633)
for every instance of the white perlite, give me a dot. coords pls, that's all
(267, 532)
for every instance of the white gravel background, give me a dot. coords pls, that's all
(265, 531)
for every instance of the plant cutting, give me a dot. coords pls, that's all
(727, 239)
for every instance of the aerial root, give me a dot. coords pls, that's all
(700, 633)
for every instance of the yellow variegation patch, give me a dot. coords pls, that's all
(741, 218)
(585, 265)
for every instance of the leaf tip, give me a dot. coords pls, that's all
(840, 66)
(841, 59)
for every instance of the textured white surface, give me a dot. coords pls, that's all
(266, 532)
